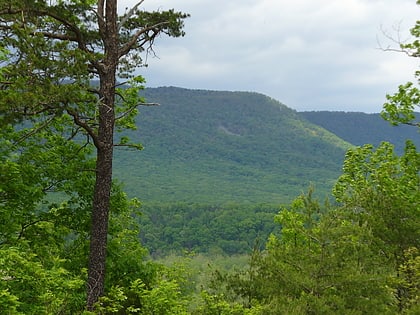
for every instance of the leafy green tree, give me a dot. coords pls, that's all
(400, 107)
(216, 304)
(35, 284)
(381, 190)
(56, 50)
(44, 224)
(322, 262)
(409, 281)
(361, 257)
(44, 215)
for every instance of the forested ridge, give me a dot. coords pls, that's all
(362, 128)
(237, 205)
(216, 147)
(216, 154)
(219, 146)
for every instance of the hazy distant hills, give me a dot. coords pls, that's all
(362, 128)
(215, 147)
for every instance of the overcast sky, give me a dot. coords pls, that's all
(308, 54)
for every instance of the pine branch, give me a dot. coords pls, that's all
(78, 121)
(129, 14)
(131, 43)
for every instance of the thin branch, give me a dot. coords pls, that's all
(133, 108)
(101, 18)
(94, 91)
(130, 44)
(132, 146)
(70, 26)
(45, 107)
(78, 121)
(49, 188)
(415, 124)
(148, 104)
(397, 41)
(33, 131)
(399, 50)
(56, 36)
(25, 226)
(129, 14)
(121, 83)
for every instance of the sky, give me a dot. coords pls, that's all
(307, 54)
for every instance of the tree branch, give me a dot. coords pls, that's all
(133, 108)
(57, 36)
(78, 35)
(25, 226)
(100, 13)
(397, 41)
(129, 45)
(78, 121)
(415, 124)
(35, 130)
(128, 145)
(129, 14)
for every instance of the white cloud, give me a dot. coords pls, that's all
(308, 54)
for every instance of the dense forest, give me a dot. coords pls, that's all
(237, 205)
(362, 128)
(228, 229)
(216, 147)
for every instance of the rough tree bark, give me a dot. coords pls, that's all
(103, 184)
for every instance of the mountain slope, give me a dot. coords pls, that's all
(214, 147)
(361, 128)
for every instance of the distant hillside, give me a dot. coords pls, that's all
(362, 128)
(214, 147)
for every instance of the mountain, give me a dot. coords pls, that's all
(215, 147)
(361, 128)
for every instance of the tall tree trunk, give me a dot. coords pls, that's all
(103, 184)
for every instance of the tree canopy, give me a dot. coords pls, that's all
(55, 49)
(62, 215)
(401, 106)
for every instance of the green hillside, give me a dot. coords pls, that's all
(214, 147)
(361, 128)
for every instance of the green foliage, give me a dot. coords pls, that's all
(45, 200)
(322, 262)
(362, 128)
(44, 213)
(162, 296)
(400, 107)
(35, 284)
(229, 229)
(220, 147)
(409, 281)
(34, 182)
(56, 116)
(358, 257)
(213, 304)
(382, 189)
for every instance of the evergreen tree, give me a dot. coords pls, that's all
(56, 49)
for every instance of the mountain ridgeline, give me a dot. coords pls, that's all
(361, 128)
(217, 147)
(217, 166)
